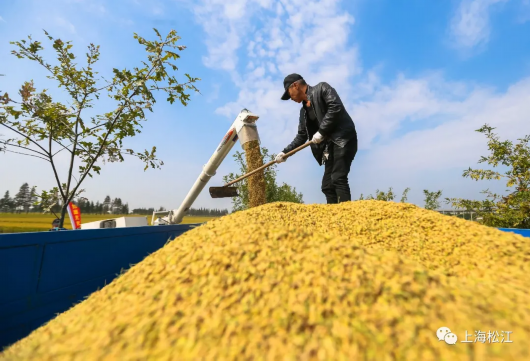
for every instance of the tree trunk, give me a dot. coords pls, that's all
(63, 214)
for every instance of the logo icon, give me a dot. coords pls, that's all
(450, 338)
(442, 331)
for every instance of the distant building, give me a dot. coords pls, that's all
(461, 213)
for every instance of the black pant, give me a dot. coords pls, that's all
(335, 181)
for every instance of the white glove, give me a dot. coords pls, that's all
(279, 157)
(317, 138)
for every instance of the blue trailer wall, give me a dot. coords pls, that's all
(522, 232)
(45, 273)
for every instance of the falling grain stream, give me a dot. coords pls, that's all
(256, 182)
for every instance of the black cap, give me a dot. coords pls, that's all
(289, 79)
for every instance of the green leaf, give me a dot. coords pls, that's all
(41, 119)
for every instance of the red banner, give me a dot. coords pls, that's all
(75, 215)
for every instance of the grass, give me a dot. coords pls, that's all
(37, 222)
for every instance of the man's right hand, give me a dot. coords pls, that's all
(279, 158)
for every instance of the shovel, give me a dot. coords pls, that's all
(226, 191)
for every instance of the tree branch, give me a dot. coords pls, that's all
(53, 165)
(168, 87)
(47, 66)
(29, 155)
(89, 168)
(60, 150)
(106, 86)
(79, 146)
(28, 138)
(72, 140)
(26, 148)
(113, 122)
(56, 141)
(72, 158)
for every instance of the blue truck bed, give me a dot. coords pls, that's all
(45, 273)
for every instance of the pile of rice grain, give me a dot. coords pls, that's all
(256, 182)
(357, 280)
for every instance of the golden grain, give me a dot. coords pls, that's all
(356, 280)
(256, 182)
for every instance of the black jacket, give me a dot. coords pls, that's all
(334, 121)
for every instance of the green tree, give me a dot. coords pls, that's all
(6, 203)
(125, 208)
(116, 206)
(431, 199)
(512, 210)
(404, 195)
(97, 208)
(106, 204)
(380, 195)
(34, 198)
(274, 192)
(23, 197)
(44, 127)
(388, 196)
(385, 196)
(143, 211)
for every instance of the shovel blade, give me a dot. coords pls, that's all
(223, 192)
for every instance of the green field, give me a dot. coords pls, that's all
(36, 222)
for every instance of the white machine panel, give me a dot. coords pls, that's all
(116, 223)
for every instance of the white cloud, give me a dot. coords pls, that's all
(420, 133)
(259, 42)
(224, 22)
(155, 6)
(470, 26)
(2, 19)
(451, 141)
(410, 127)
(92, 6)
(412, 131)
(524, 11)
(62, 22)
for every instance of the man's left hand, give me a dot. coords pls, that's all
(317, 138)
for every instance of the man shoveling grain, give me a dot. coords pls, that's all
(324, 120)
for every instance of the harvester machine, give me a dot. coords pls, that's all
(243, 128)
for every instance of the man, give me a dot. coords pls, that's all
(325, 121)
(55, 225)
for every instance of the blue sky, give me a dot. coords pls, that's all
(418, 77)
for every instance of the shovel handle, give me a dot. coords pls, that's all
(268, 164)
(288, 154)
